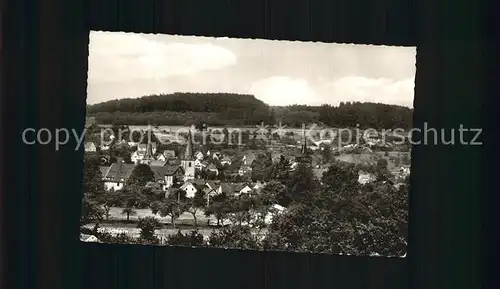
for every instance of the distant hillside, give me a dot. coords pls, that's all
(183, 108)
(236, 109)
(348, 114)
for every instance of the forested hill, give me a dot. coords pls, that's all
(237, 109)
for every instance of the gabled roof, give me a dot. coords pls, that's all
(211, 167)
(226, 188)
(89, 145)
(169, 153)
(172, 170)
(213, 184)
(157, 163)
(207, 190)
(198, 182)
(187, 184)
(119, 172)
(159, 172)
(104, 170)
(239, 186)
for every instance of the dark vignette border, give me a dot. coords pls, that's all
(44, 63)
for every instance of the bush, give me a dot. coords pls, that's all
(239, 237)
(148, 225)
(191, 239)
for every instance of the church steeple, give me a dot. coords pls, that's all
(149, 151)
(188, 155)
(304, 140)
(148, 156)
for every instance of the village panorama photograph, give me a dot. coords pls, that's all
(247, 144)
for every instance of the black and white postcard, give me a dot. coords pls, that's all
(247, 144)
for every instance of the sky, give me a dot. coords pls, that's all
(130, 65)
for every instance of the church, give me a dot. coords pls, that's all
(187, 161)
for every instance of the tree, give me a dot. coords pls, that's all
(196, 203)
(382, 164)
(91, 211)
(326, 153)
(172, 206)
(262, 167)
(219, 207)
(302, 182)
(341, 178)
(109, 199)
(239, 209)
(93, 189)
(132, 198)
(282, 169)
(374, 221)
(129, 211)
(141, 175)
(148, 225)
(272, 193)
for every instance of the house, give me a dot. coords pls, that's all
(104, 147)
(166, 155)
(213, 186)
(161, 158)
(137, 156)
(248, 159)
(169, 154)
(159, 175)
(244, 169)
(212, 168)
(117, 175)
(226, 189)
(258, 186)
(88, 238)
(226, 160)
(192, 186)
(90, 147)
(199, 164)
(173, 175)
(141, 148)
(199, 155)
(365, 177)
(241, 188)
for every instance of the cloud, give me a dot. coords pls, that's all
(363, 89)
(281, 90)
(121, 57)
